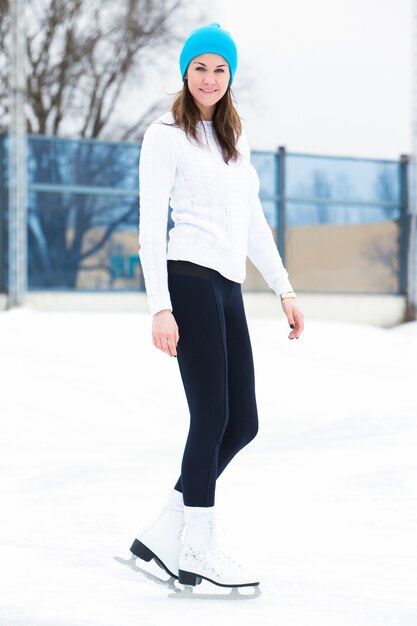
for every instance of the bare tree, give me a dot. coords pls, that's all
(322, 189)
(82, 58)
(82, 55)
(386, 251)
(4, 26)
(386, 189)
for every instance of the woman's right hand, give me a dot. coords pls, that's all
(165, 335)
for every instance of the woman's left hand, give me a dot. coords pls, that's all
(294, 316)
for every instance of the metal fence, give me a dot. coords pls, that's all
(339, 222)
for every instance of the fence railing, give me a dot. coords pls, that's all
(339, 222)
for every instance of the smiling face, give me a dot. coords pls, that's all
(208, 77)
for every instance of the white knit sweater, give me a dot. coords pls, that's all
(216, 210)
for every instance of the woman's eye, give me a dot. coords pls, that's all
(219, 69)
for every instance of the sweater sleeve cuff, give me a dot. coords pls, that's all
(158, 302)
(282, 285)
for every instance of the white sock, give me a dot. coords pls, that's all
(198, 515)
(175, 501)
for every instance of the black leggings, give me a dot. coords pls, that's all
(216, 365)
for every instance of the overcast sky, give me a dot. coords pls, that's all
(332, 76)
(327, 77)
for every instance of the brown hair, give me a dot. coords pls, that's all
(226, 121)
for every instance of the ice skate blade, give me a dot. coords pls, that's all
(131, 563)
(187, 593)
(190, 578)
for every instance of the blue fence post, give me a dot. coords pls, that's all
(404, 217)
(280, 200)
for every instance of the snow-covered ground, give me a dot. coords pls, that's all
(323, 501)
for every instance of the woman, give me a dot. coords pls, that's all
(197, 157)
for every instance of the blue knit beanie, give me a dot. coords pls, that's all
(212, 39)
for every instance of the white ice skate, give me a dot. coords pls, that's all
(161, 541)
(202, 557)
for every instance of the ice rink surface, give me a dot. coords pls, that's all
(323, 502)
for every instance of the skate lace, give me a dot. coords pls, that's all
(181, 533)
(219, 537)
(215, 558)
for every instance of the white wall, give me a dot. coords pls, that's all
(378, 310)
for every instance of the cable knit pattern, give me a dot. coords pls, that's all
(216, 209)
